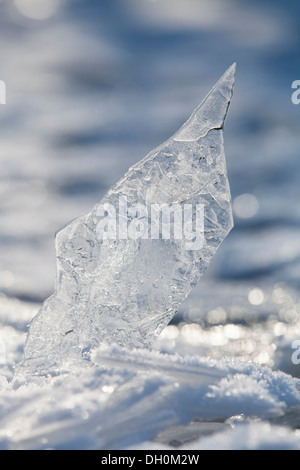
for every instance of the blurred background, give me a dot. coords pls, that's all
(94, 85)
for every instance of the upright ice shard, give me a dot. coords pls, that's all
(122, 271)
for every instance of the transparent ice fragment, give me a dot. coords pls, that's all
(124, 267)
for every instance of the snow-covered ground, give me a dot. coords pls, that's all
(90, 91)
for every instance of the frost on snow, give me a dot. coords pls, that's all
(133, 396)
(124, 289)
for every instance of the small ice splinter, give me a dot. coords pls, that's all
(115, 288)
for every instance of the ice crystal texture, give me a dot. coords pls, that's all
(126, 291)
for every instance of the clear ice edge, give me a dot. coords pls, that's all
(125, 292)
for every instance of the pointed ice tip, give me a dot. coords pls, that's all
(212, 112)
(227, 81)
(231, 70)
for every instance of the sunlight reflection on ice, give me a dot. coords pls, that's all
(256, 296)
(245, 206)
(37, 9)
